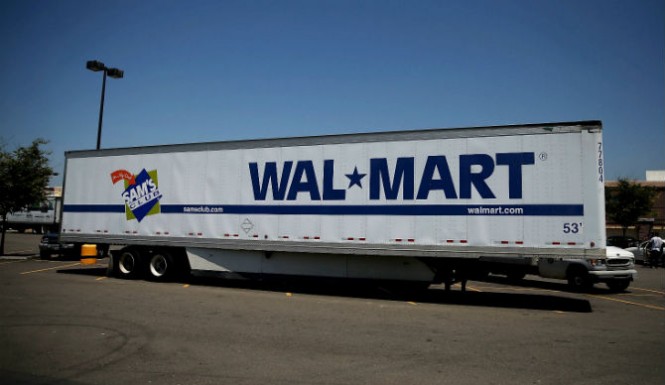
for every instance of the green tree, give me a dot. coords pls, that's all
(24, 176)
(627, 202)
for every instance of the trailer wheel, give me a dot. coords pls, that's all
(578, 279)
(161, 266)
(129, 264)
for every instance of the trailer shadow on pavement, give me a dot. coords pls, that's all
(398, 292)
(544, 285)
(392, 291)
(509, 300)
(387, 291)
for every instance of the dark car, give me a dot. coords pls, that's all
(50, 245)
(621, 241)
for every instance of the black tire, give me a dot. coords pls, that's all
(579, 280)
(161, 266)
(130, 265)
(618, 285)
(44, 255)
(112, 267)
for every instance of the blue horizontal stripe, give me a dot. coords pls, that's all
(94, 208)
(413, 210)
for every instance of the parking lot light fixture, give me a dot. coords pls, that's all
(96, 66)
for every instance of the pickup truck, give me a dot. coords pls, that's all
(617, 270)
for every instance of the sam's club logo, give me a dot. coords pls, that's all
(141, 193)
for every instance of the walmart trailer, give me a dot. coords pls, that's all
(404, 206)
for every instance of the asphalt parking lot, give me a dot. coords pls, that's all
(66, 323)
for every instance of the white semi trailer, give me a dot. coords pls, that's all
(40, 217)
(418, 206)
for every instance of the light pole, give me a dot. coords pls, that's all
(96, 66)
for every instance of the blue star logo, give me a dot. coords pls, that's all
(355, 178)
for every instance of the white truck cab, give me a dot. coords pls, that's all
(617, 271)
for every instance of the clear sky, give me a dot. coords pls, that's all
(199, 71)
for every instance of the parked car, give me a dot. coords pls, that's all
(641, 254)
(50, 245)
(621, 241)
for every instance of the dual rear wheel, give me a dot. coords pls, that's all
(133, 263)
